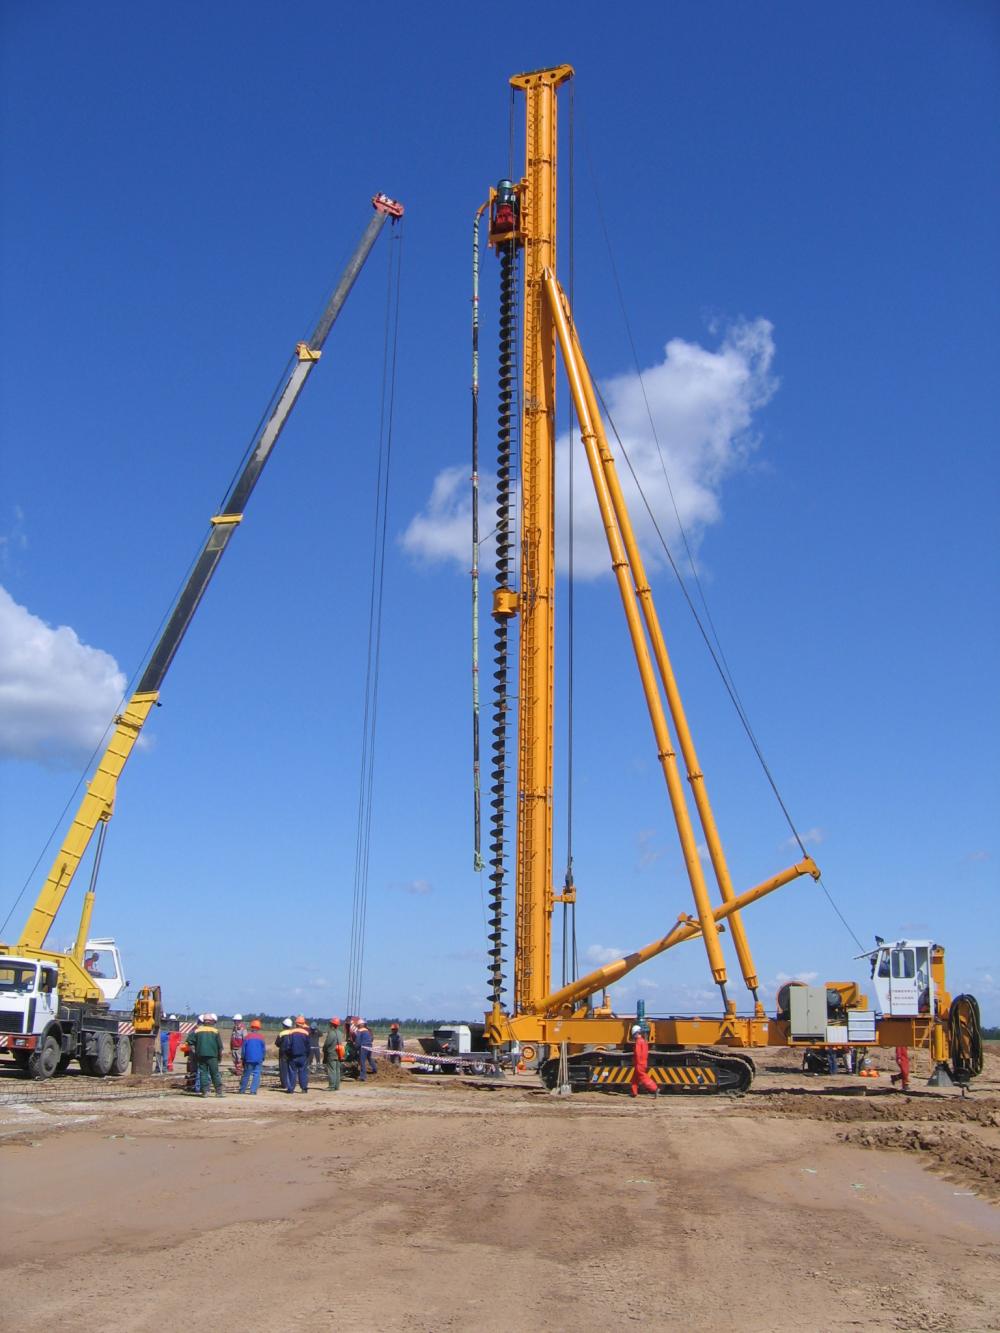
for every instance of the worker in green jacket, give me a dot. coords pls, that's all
(333, 1053)
(208, 1049)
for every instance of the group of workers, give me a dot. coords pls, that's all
(299, 1050)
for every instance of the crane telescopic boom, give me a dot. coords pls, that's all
(97, 805)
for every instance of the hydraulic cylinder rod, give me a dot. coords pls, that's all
(98, 801)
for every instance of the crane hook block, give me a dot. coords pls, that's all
(383, 204)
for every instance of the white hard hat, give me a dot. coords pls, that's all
(172, 1016)
(237, 1018)
(212, 1018)
(286, 1022)
(636, 1030)
(202, 1017)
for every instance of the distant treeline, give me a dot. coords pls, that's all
(412, 1025)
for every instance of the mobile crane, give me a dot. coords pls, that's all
(54, 1006)
(687, 1055)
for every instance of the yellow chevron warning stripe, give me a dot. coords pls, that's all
(696, 1075)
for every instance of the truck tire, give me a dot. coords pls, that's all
(99, 1064)
(123, 1056)
(44, 1060)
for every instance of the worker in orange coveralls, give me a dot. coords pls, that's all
(903, 1060)
(640, 1073)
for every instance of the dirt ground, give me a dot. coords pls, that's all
(421, 1203)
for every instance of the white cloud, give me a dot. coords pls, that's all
(782, 977)
(702, 402)
(57, 695)
(601, 954)
(14, 540)
(648, 853)
(418, 887)
(812, 837)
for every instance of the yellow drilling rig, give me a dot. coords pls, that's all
(570, 1031)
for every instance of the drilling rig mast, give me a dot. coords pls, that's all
(523, 228)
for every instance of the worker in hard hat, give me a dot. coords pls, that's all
(281, 1041)
(254, 1050)
(236, 1039)
(175, 1040)
(363, 1046)
(395, 1043)
(297, 1054)
(640, 1069)
(333, 1054)
(208, 1048)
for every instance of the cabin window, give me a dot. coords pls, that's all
(883, 964)
(902, 964)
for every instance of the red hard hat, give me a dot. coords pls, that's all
(335, 1022)
(255, 1022)
(394, 1027)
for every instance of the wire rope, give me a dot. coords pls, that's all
(366, 784)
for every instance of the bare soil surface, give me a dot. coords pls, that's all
(423, 1203)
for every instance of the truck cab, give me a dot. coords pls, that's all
(29, 1001)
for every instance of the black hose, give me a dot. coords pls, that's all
(965, 1039)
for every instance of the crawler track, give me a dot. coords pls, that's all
(691, 1072)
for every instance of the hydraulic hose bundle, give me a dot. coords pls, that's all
(965, 1039)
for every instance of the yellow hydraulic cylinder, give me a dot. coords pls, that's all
(686, 929)
(576, 374)
(694, 773)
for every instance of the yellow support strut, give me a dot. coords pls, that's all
(595, 448)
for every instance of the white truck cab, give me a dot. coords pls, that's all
(29, 1000)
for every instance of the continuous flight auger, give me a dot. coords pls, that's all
(504, 605)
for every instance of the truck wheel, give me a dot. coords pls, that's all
(104, 1055)
(44, 1059)
(123, 1056)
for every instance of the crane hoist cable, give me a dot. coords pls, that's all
(366, 783)
(730, 689)
(715, 649)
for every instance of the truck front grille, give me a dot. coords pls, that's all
(11, 1022)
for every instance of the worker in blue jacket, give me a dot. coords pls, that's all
(297, 1055)
(254, 1050)
(363, 1044)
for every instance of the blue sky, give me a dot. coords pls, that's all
(803, 209)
